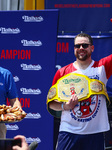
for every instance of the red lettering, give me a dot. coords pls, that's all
(19, 56)
(8, 54)
(25, 54)
(14, 53)
(3, 54)
(62, 47)
(106, 5)
(25, 102)
(99, 5)
(65, 47)
(28, 54)
(7, 102)
(22, 54)
(94, 6)
(81, 5)
(58, 47)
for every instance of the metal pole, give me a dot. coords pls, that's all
(8, 5)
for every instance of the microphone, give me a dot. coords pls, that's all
(33, 145)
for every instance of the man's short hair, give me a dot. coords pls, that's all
(84, 35)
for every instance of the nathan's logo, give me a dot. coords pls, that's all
(16, 78)
(32, 18)
(68, 81)
(30, 140)
(30, 91)
(31, 67)
(31, 43)
(58, 66)
(12, 127)
(33, 116)
(9, 30)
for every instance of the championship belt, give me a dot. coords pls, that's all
(78, 84)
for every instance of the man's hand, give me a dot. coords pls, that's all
(71, 103)
(24, 145)
(15, 103)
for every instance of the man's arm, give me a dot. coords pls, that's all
(56, 105)
(15, 103)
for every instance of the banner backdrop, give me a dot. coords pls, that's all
(28, 49)
(82, 15)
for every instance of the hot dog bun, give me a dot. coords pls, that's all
(8, 113)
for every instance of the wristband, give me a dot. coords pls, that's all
(62, 106)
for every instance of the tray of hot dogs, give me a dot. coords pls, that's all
(10, 114)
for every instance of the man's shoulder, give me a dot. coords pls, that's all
(103, 61)
(66, 69)
(67, 66)
(4, 70)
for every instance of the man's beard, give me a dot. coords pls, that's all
(85, 57)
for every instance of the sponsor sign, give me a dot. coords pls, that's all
(28, 49)
(82, 15)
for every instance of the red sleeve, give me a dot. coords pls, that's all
(107, 63)
(60, 73)
(56, 77)
(63, 71)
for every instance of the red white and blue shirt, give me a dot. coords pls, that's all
(89, 116)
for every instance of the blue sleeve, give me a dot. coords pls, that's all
(11, 90)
